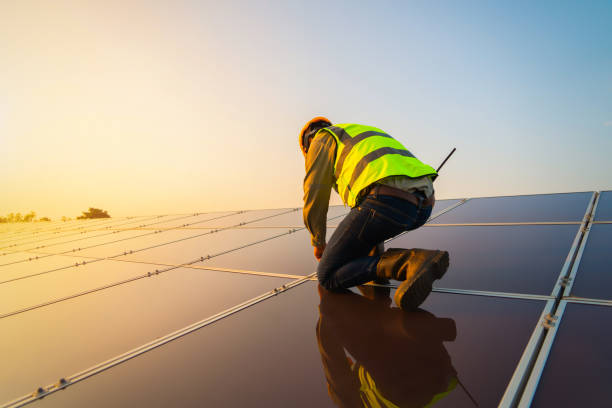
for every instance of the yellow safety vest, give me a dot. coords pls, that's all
(365, 155)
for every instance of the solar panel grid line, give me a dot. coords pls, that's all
(469, 224)
(64, 382)
(134, 251)
(90, 223)
(588, 301)
(509, 295)
(199, 235)
(79, 233)
(568, 281)
(504, 224)
(77, 264)
(208, 256)
(519, 378)
(105, 243)
(578, 239)
(67, 235)
(531, 195)
(79, 294)
(47, 230)
(135, 278)
(552, 326)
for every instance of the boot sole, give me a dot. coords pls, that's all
(409, 296)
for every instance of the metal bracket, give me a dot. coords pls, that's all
(549, 321)
(565, 281)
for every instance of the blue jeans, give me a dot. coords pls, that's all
(345, 261)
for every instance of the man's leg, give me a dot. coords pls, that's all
(345, 262)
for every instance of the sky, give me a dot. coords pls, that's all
(157, 107)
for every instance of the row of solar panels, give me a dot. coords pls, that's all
(271, 350)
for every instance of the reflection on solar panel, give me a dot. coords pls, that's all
(186, 310)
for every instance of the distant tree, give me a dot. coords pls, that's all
(12, 217)
(44, 219)
(29, 217)
(64, 218)
(93, 213)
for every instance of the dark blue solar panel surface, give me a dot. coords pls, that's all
(281, 352)
(579, 366)
(604, 207)
(522, 259)
(538, 208)
(594, 277)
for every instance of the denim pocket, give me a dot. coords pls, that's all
(394, 210)
(378, 227)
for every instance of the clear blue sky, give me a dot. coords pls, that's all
(155, 107)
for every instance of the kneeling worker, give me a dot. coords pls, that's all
(389, 192)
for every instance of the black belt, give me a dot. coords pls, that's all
(414, 198)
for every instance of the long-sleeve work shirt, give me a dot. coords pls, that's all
(320, 180)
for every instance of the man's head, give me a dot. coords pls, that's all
(310, 129)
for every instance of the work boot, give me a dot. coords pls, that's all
(424, 266)
(396, 263)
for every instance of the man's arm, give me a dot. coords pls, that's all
(318, 183)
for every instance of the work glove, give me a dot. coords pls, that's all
(318, 252)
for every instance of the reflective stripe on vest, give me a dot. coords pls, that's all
(365, 155)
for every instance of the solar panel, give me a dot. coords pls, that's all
(189, 248)
(594, 279)
(579, 368)
(533, 208)
(604, 207)
(295, 219)
(42, 265)
(282, 351)
(190, 308)
(45, 344)
(521, 259)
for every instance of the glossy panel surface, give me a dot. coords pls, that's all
(278, 353)
(17, 257)
(206, 245)
(92, 239)
(545, 207)
(186, 220)
(521, 259)
(441, 205)
(76, 234)
(296, 218)
(604, 207)
(37, 266)
(246, 217)
(41, 346)
(66, 282)
(145, 239)
(594, 277)
(579, 367)
(290, 254)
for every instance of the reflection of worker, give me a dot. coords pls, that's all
(389, 191)
(400, 360)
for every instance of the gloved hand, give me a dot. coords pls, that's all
(318, 252)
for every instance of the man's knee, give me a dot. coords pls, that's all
(325, 275)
